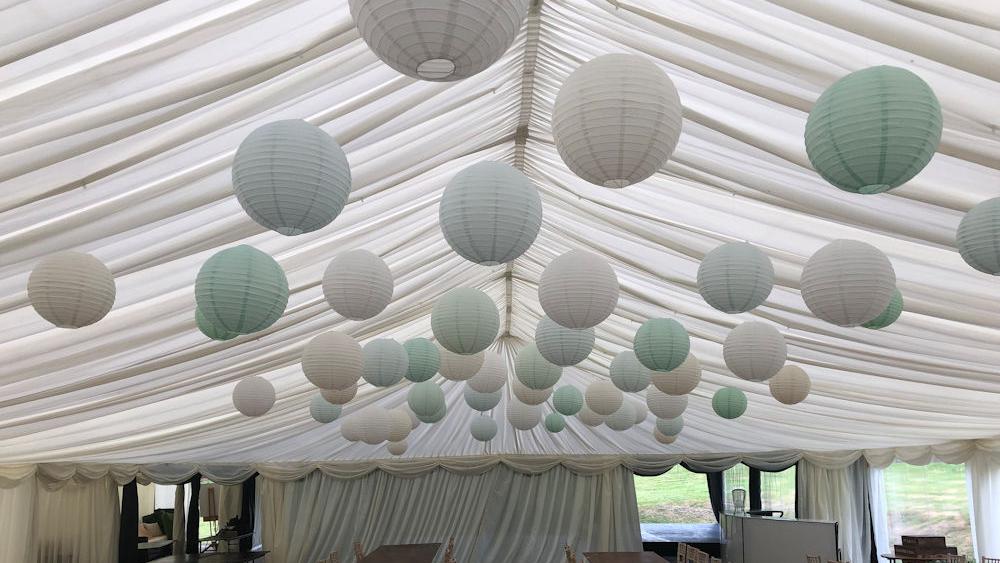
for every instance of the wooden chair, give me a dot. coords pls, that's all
(715, 560)
(333, 558)
(570, 556)
(682, 552)
(813, 559)
(701, 557)
(449, 552)
(990, 559)
(359, 552)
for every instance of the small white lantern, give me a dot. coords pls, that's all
(848, 283)
(481, 401)
(397, 448)
(522, 416)
(332, 360)
(603, 397)
(339, 396)
(680, 381)
(71, 289)
(492, 376)
(578, 290)
(665, 406)
(754, 351)
(465, 320)
(460, 367)
(253, 396)
(623, 418)
(528, 395)
(322, 411)
(483, 428)
(534, 371)
(385, 362)
(563, 346)
(662, 438)
(358, 284)
(791, 385)
(589, 417)
(628, 374)
(735, 277)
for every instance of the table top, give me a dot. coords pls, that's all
(217, 537)
(154, 544)
(624, 557)
(412, 553)
(213, 557)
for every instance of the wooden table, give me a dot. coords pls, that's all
(244, 557)
(941, 558)
(412, 553)
(624, 557)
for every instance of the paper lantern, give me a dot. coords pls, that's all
(210, 330)
(735, 277)
(481, 401)
(385, 362)
(492, 376)
(554, 422)
(439, 40)
(729, 402)
(483, 429)
(399, 425)
(530, 396)
(754, 351)
(665, 406)
(357, 284)
(436, 417)
(422, 359)
(641, 412)
(425, 398)
(563, 346)
(71, 289)
(567, 400)
(253, 396)
(622, 419)
(889, 315)
(332, 360)
(791, 385)
(978, 237)
(589, 417)
(662, 438)
(396, 448)
(339, 396)
(350, 429)
(534, 371)
(603, 397)
(616, 120)
(490, 213)
(873, 129)
(460, 367)
(291, 177)
(522, 416)
(681, 380)
(465, 320)
(848, 282)
(241, 290)
(374, 423)
(414, 421)
(578, 290)
(322, 411)
(661, 344)
(670, 426)
(628, 374)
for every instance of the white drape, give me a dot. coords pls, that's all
(880, 511)
(17, 521)
(498, 515)
(839, 495)
(983, 475)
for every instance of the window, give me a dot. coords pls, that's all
(777, 491)
(929, 500)
(678, 496)
(736, 477)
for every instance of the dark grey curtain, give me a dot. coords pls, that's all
(193, 521)
(128, 527)
(247, 508)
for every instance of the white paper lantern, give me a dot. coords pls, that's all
(425, 398)
(563, 346)
(396, 447)
(578, 289)
(399, 425)
(628, 374)
(481, 401)
(385, 362)
(848, 282)
(492, 376)
(522, 416)
(670, 426)
(465, 320)
(374, 424)
(357, 284)
(322, 411)
(339, 396)
(528, 395)
(681, 380)
(735, 277)
(665, 406)
(291, 177)
(483, 429)
(623, 418)
(414, 421)
(350, 429)
(534, 371)
(253, 396)
(791, 385)
(460, 367)
(617, 120)
(978, 237)
(439, 40)
(490, 213)
(641, 412)
(754, 351)
(589, 417)
(71, 289)
(662, 438)
(603, 397)
(332, 360)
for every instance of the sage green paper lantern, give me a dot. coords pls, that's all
(628, 374)
(322, 411)
(563, 346)
(978, 237)
(483, 428)
(425, 398)
(210, 330)
(874, 129)
(567, 400)
(423, 359)
(436, 417)
(735, 277)
(622, 419)
(661, 344)
(889, 315)
(241, 290)
(554, 422)
(670, 426)
(481, 402)
(465, 320)
(534, 371)
(729, 402)
(385, 362)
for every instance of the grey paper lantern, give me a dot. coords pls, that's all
(670, 426)
(665, 406)
(628, 374)
(423, 359)
(554, 422)
(578, 290)
(589, 417)
(332, 360)
(534, 371)
(339, 396)
(436, 417)
(528, 395)
(663, 438)
(563, 346)
(460, 367)
(71, 289)
(735, 277)
(522, 416)
(385, 362)
(483, 429)
(425, 398)
(791, 385)
(357, 284)
(848, 282)
(681, 380)
(754, 351)
(567, 400)
(210, 330)
(439, 40)
(322, 411)
(253, 396)
(661, 344)
(482, 401)
(399, 425)
(603, 397)
(291, 177)
(465, 320)
(617, 120)
(490, 213)
(622, 419)
(241, 290)
(492, 376)
(396, 448)
(978, 237)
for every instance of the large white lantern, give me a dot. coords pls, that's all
(396, 448)
(623, 418)
(332, 360)
(754, 351)
(460, 367)
(385, 362)
(481, 401)
(253, 396)
(465, 320)
(665, 406)
(978, 237)
(578, 289)
(628, 374)
(589, 417)
(399, 425)
(848, 282)
(492, 376)
(534, 371)
(71, 289)
(291, 177)
(563, 346)
(528, 395)
(339, 396)
(350, 429)
(681, 380)
(357, 284)
(439, 40)
(735, 277)
(641, 412)
(483, 428)
(374, 424)
(322, 411)
(603, 397)
(490, 213)
(425, 398)
(791, 385)
(522, 416)
(617, 120)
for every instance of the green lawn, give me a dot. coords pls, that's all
(677, 496)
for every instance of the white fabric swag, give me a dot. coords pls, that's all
(839, 495)
(499, 515)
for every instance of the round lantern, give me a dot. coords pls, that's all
(439, 40)
(670, 426)
(530, 396)
(350, 429)
(414, 421)
(754, 351)
(322, 411)
(397, 448)
(241, 290)
(357, 284)
(567, 400)
(589, 417)
(291, 177)
(71, 289)
(616, 120)
(873, 129)
(490, 213)
(385, 362)
(492, 376)
(460, 367)
(978, 237)
(483, 428)
(465, 320)
(253, 396)
(534, 371)
(563, 346)
(522, 416)
(332, 360)
(661, 344)
(622, 419)
(481, 402)
(374, 424)
(735, 277)
(665, 406)
(425, 398)
(399, 425)
(848, 283)
(889, 315)
(210, 330)
(729, 402)
(641, 412)
(423, 359)
(628, 374)
(578, 289)
(663, 438)
(791, 385)
(681, 380)
(554, 422)
(339, 396)
(603, 397)
(436, 417)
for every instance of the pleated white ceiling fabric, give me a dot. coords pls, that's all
(118, 125)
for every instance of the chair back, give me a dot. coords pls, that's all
(359, 552)
(991, 559)
(570, 556)
(682, 552)
(701, 557)
(449, 553)
(715, 560)
(813, 559)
